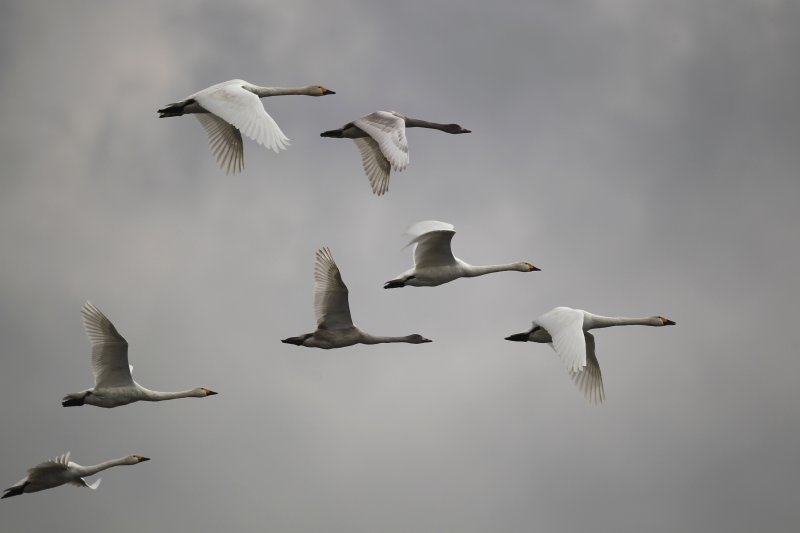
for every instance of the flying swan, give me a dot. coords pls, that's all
(61, 470)
(381, 140)
(228, 109)
(434, 262)
(335, 328)
(113, 384)
(567, 332)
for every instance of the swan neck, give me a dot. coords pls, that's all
(598, 321)
(94, 469)
(366, 338)
(157, 396)
(489, 269)
(417, 123)
(263, 92)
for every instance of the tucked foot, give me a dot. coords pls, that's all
(172, 110)
(14, 491)
(297, 341)
(73, 400)
(332, 133)
(519, 337)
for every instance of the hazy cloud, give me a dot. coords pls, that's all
(643, 154)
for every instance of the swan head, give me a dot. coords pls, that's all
(664, 321)
(455, 129)
(319, 90)
(416, 338)
(528, 267)
(202, 392)
(135, 459)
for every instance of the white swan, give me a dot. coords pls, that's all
(61, 470)
(228, 109)
(335, 328)
(381, 140)
(567, 331)
(113, 384)
(434, 262)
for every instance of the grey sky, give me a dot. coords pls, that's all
(643, 154)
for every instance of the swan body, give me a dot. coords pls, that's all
(434, 262)
(61, 470)
(228, 109)
(114, 385)
(567, 332)
(381, 140)
(335, 327)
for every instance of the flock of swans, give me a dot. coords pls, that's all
(228, 110)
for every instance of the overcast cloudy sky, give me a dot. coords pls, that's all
(644, 154)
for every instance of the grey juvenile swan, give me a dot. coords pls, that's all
(335, 328)
(381, 140)
(228, 109)
(567, 332)
(61, 470)
(113, 384)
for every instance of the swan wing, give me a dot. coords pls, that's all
(426, 226)
(45, 468)
(225, 142)
(590, 380)
(241, 108)
(432, 243)
(375, 164)
(389, 132)
(331, 307)
(109, 350)
(81, 482)
(565, 326)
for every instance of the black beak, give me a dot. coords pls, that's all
(328, 91)
(669, 322)
(143, 459)
(211, 393)
(518, 337)
(426, 340)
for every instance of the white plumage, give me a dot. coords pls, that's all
(113, 383)
(232, 108)
(567, 331)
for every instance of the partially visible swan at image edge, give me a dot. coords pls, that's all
(61, 470)
(228, 109)
(335, 328)
(434, 262)
(567, 332)
(113, 384)
(381, 140)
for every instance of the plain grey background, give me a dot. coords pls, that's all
(644, 154)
